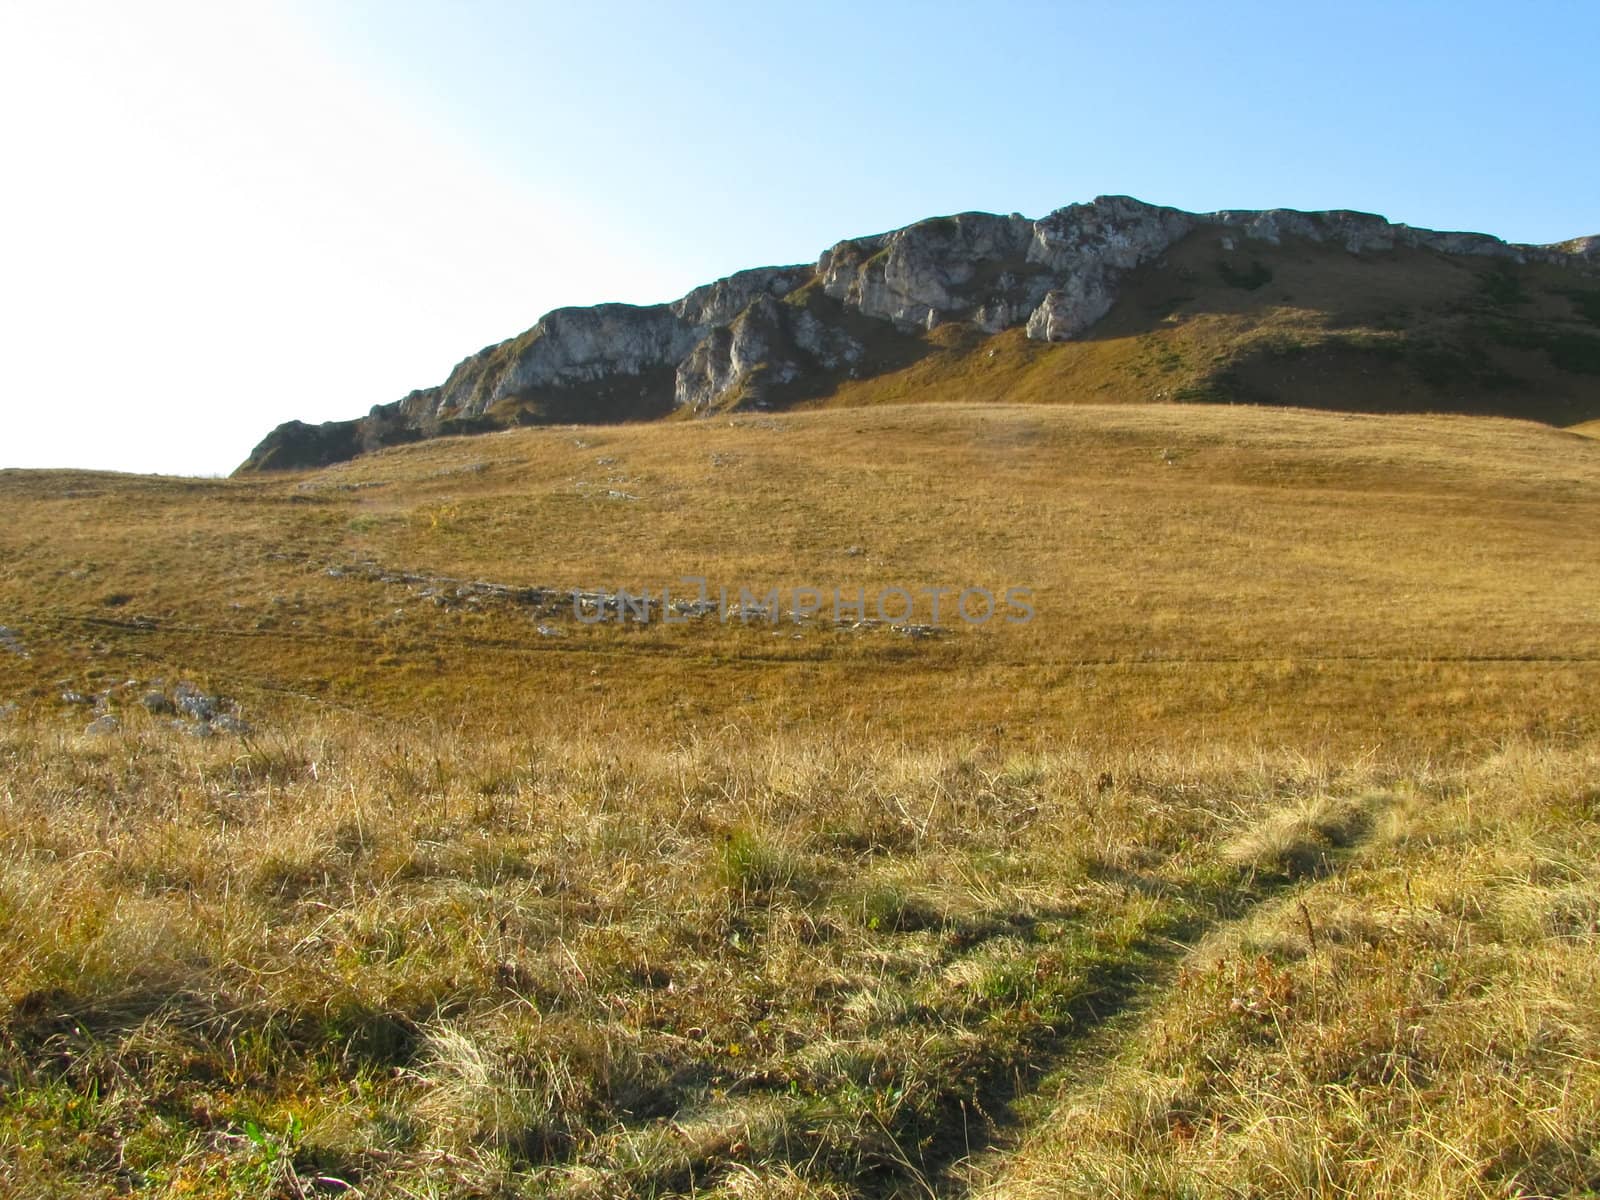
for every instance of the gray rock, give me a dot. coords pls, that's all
(1087, 248)
(734, 339)
(1115, 232)
(103, 724)
(1068, 312)
(831, 346)
(71, 697)
(1587, 248)
(924, 274)
(1457, 243)
(728, 358)
(1358, 232)
(157, 703)
(718, 303)
(228, 723)
(192, 702)
(577, 346)
(11, 641)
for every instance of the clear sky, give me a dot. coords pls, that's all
(216, 216)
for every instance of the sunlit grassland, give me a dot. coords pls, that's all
(431, 962)
(1423, 1022)
(1196, 573)
(1262, 861)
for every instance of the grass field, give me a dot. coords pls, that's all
(1261, 861)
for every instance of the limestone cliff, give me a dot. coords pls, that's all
(739, 341)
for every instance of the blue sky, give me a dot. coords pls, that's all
(223, 216)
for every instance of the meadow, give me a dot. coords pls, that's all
(337, 856)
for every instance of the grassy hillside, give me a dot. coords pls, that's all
(338, 854)
(1286, 576)
(1301, 324)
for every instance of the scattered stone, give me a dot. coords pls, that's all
(157, 703)
(228, 723)
(71, 697)
(313, 486)
(543, 604)
(103, 724)
(695, 608)
(195, 703)
(476, 468)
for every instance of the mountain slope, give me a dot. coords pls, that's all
(1336, 309)
(338, 854)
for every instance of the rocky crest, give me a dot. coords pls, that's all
(726, 343)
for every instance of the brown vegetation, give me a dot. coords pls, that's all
(1260, 862)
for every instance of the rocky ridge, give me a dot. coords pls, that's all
(725, 344)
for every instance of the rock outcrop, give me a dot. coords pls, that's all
(580, 347)
(729, 343)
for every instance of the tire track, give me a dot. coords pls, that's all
(1081, 1060)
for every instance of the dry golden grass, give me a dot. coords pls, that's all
(1234, 573)
(597, 969)
(449, 964)
(1424, 1022)
(1155, 892)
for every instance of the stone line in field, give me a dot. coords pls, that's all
(551, 602)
